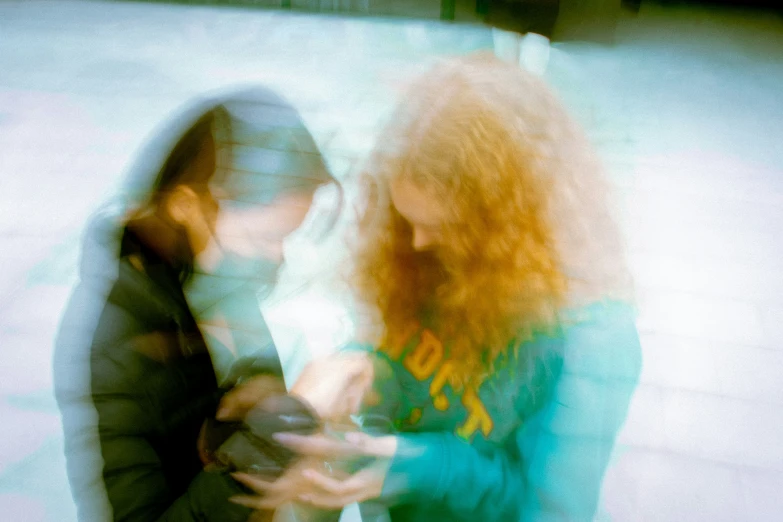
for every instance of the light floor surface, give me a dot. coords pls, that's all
(685, 109)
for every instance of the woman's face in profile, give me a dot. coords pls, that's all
(260, 230)
(424, 213)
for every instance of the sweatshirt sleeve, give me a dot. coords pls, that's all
(551, 468)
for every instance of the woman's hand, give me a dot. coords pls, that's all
(313, 482)
(336, 386)
(243, 397)
(233, 407)
(204, 453)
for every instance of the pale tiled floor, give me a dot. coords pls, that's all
(685, 109)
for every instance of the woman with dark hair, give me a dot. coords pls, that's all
(137, 369)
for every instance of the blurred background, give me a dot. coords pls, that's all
(684, 101)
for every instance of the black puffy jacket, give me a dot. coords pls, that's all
(133, 379)
(135, 392)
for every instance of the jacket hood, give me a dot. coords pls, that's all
(263, 147)
(263, 151)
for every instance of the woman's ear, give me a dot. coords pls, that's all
(182, 205)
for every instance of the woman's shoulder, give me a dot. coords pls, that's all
(597, 341)
(594, 357)
(601, 340)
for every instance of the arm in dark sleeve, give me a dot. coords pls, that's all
(136, 484)
(138, 492)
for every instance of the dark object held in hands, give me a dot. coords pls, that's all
(250, 447)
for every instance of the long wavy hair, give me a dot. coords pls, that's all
(531, 234)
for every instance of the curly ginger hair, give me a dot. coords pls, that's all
(530, 233)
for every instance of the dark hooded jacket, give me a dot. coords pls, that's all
(133, 378)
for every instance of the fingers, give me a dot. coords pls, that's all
(237, 402)
(320, 446)
(330, 493)
(311, 487)
(250, 502)
(324, 447)
(335, 386)
(271, 493)
(341, 369)
(201, 445)
(234, 405)
(357, 393)
(255, 483)
(232, 409)
(370, 446)
(338, 488)
(328, 502)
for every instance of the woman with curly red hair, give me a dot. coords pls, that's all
(508, 351)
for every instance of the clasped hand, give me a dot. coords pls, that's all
(319, 478)
(336, 388)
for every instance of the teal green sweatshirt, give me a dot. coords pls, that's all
(532, 443)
